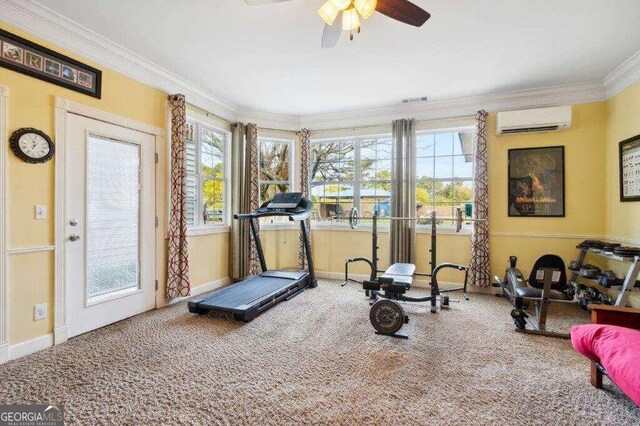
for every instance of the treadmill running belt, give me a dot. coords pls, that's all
(246, 292)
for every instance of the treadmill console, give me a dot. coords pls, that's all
(285, 201)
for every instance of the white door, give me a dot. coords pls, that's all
(109, 223)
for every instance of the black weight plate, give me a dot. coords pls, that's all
(386, 316)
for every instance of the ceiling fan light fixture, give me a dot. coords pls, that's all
(350, 19)
(328, 12)
(341, 4)
(365, 7)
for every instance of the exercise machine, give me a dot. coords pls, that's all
(531, 298)
(251, 296)
(387, 315)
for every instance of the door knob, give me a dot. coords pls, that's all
(74, 237)
(73, 222)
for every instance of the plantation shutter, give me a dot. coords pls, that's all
(192, 177)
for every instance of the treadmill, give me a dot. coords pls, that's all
(251, 296)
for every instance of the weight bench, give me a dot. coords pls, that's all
(399, 275)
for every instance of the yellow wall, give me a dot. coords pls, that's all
(623, 219)
(208, 258)
(31, 104)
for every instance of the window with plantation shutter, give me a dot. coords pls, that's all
(207, 182)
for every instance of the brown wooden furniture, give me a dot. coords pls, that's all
(613, 315)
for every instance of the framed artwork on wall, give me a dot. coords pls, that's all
(536, 182)
(630, 169)
(36, 61)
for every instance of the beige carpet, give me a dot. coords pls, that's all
(315, 359)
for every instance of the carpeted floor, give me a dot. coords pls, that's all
(315, 359)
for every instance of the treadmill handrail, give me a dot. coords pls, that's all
(292, 216)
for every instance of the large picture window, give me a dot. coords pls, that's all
(275, 167)
(444, 173)
(348, 173)
(356, 172)
(206, 156)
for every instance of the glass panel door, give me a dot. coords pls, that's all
(113, 218)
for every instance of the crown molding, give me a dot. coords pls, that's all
(623, 76)
(49, 25)
(460, 107)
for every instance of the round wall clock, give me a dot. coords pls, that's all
(31, 145)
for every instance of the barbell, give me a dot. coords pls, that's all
(354, 219)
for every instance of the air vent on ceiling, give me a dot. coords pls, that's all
(414, 100)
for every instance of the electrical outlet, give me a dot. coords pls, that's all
(41, 212)
(40, 311)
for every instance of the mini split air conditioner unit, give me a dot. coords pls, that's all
(534, 120)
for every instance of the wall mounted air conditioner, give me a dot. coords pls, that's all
(534, 120)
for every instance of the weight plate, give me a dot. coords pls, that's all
(386, 316)
(353, 218)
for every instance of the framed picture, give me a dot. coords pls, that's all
(536, 182)
(28, 58)
(630, 169)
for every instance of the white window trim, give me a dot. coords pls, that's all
(214, 228)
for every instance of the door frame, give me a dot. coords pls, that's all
(63, 108)
(4, 208)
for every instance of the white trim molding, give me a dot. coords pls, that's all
(623, 76)
(28, 347)
(29, 250)
(49, 25)
(4, 208)
(63, 108)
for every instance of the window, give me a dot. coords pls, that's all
(444, 173)
(207, 179)
(348, 173)
(356, 172)
(275, 166)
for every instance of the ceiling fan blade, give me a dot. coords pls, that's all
(332, 33)
(403, 11)
(261, 2)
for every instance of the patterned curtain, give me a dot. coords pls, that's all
(178, 261)
(304, 141)
(254, 193)
(480, 274)
(245, 198)
(403, 192)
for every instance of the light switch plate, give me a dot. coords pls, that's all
(41, 212)
(40, 311)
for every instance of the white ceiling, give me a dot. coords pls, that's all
(268, 58)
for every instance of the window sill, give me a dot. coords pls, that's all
(207, 230)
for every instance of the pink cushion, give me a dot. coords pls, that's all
(617, 349)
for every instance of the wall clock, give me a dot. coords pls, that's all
(31, 145)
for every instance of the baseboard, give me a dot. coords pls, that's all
(60, 334)
(196, 291)
(30, 346)
(4, 353)
(419, 283)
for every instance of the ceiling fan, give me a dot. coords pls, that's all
(344, 15)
